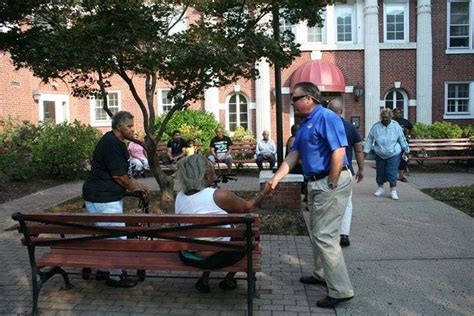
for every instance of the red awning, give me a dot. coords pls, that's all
(322, 73)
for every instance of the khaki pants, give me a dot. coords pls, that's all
(326, 209)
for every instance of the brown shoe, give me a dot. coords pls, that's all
(311, 280)
(331, 302)
(124, 281)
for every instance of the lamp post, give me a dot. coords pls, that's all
(278, 100)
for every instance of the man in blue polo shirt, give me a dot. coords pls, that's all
(320, 144)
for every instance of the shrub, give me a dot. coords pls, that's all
(16, 139)
(241, 134)
(468, 131)
(421, 130)
(197, 125)
(63, 150)
(437, 130)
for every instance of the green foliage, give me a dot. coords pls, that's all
(197, 125)
(243, 135)
(468, 131)
(437, 130)
(63, 150)
(15, 149)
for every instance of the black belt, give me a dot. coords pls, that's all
(322, 175)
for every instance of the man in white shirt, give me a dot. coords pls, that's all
(266, 151)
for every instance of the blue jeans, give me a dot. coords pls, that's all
(115, 207)
(387, 169)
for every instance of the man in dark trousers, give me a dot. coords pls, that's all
(354, 141)
(176, 148)
(320, 143)
(406, 127)
(104, 188)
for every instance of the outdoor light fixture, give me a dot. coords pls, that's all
(358, 92)
(36, 95)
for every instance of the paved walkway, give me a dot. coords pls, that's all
(412, 256)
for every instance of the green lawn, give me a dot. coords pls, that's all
(461, 198)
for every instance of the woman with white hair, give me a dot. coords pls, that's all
(387, 140)
(194, 178)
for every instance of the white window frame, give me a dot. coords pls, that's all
(58, 99)
(241, 95)
(161, 109)
(459, 115)
(405, 101)
(470, 48)
(92, 105)
(406, 22)
(353, 23)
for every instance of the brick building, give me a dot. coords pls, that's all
(417, 55)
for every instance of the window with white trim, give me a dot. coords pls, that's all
(396, 98)
(344, 24)
(396, 22)
(238, 112)
(286, 26)
(457, 98)
(98, 113)
(460, 19)
(165, 102)
(315, 34)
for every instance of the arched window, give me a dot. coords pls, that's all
(238, 112)
(396, 98)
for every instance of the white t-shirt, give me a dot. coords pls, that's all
(201, 203)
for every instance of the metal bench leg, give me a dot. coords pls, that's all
(36, 290)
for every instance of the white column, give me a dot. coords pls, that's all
(211, 101)
(424, 63)
(331, 24)
(371, 64)
(262, 99)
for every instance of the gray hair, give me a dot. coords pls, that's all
(336, 105)
(386, 111)
(121, 117)
(310, 89)
(191, 173)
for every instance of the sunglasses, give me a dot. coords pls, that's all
(299, 97)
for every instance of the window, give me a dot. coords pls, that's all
(396, 22)
(166, 103)
(315, 34)
(344, 24)
(396, 99)
(238, 112)
(113, 104)
(285, 27)
(459, 24)
(457, 98)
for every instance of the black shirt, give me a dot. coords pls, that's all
(405, 125)
(176, 147)
(110, 158)
(221, 145)
(353, 137)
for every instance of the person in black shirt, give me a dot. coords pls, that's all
(104, 188)
(406, 127)
(221, 149)
(175, 148)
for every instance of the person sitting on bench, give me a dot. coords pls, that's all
(194, 178)
(175, 148)
(266, 151)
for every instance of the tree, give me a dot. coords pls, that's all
(86, 42)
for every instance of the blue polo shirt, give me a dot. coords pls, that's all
(319, 135)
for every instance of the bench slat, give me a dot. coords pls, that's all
(157, 261)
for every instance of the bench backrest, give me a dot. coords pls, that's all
(169, 232)
(162, 149)
(244, 150)
(444, 144)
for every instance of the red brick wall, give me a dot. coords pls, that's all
(287, 196)
(452, 67)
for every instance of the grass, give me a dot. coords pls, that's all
(284, 222)
(461, 198)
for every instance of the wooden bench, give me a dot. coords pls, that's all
(243, 152)
(73, 241)
(445, 149)
(162, 151)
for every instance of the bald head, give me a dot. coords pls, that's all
(336, 106)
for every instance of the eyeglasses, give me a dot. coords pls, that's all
(299, 97)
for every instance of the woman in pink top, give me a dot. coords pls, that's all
(138, 157)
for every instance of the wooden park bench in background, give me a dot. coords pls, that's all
(153, 243)
(243, 152)
(445, 150)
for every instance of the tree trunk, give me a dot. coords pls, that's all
(165, 183)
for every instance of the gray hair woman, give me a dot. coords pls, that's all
(194, 178)
(387, 140)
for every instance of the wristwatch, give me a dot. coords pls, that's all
(331, 185)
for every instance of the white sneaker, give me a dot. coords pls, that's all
(394, 195)
(380, 191)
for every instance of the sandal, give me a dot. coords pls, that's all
(228, 284)
(201, 286)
